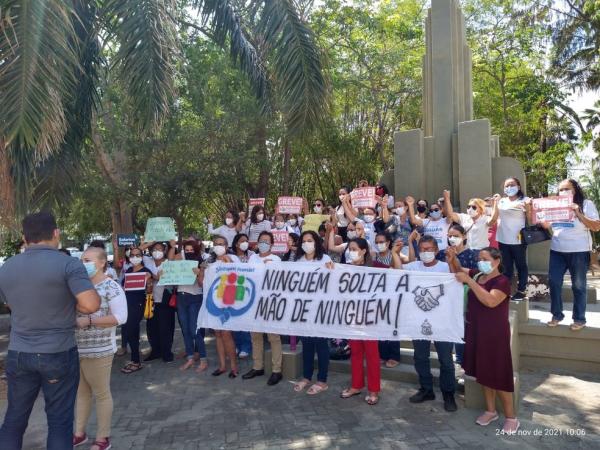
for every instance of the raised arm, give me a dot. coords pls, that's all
(396, 255)
(451, 216)
(414, 237)
(349, 211)
(495, 211)
(385, 213)
(410, 201)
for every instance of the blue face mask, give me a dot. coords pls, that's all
(91, 268)
(511, 190)
(485, 267)
(435, 214)
(264, 247)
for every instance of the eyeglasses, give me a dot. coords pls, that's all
(317, 204)
(473, 207)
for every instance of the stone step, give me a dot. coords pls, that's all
(593, 287)
(559, 347)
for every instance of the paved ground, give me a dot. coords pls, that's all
(163, 408)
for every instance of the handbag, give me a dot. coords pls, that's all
(149, 307)
(534, 234)
(173, 299)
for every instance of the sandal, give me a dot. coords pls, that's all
(189, 363)
(553, 323)
(486, 418)
(218, 372)
(372, 399)
(233, 374)
(391, 363)
(347, 393)
(300, 385)
(317, 389)
(202, 367)
(576, 326)
(131, 367)
(102, 445)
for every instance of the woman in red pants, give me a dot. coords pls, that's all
(359, 255)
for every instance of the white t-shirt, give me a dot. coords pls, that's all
(324, 260)
(255, 258)
(340, 213)
(225, 231)
(418, 266)
(574, 237)
(111, 273)
(511, 220)
(477, 231)
(438, 229)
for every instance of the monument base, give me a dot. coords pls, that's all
(474, 398)
(291, 366)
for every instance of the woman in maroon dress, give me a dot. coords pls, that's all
(487, 335)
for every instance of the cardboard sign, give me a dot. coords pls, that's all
(160, 229)
(127, 240)
(280, 242)
(253, 202)
(177, 272)
(363, 197)
(135, 281)
(557, 209)
(289, 205)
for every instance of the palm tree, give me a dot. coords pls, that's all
(54, 55)
(592, 117)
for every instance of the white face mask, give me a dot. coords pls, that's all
(293, 222)
(472, 212)
(382, 247)
(219, 250)
(511, 190)
(400, 210)
(244, 246)
(135, 260)
(279, 225)
(427, 257)
(369, 218)
(351, 234)
(318, 209)
(308, 247)
(455, 241)
(228, 221)
(354, 255)
(260, 216)
(157, 254)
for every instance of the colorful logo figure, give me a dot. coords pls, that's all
(230, 295)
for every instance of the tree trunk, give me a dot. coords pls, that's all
(7, 189)
(287, 154)
(263, 159)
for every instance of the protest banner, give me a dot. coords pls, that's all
(177, 272)
(280, 241)
(253, 202)
(289, 205)
(135, 281)
(346, 302)
(127, 240)
(363, 197)
(556, 209)
(160, 229)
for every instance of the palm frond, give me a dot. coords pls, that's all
(37, 72)
(146, 57)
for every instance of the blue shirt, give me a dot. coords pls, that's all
(468, 258)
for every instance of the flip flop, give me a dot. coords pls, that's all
(300, 385)
(316, 389)
(391, 363)
(131, 367)
(372, 399)
(347, 394)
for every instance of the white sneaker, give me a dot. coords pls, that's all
(243, 355)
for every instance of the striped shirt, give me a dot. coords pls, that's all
(253, 230)
(97, 342)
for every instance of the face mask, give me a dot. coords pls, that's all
(293, 222)
(427, 257)
(472, 212)
(511, 190)
(135, 260)
(354, 255)
(564, 192)
(189, 255)
(260, 217)
(400, 211)
(369, 218)
(219, 250)
(421, 209)
(157, 254)
(279, 225)
(351, 234)
(382, 247)
(264, 247)
(435, 215)
(318, 209)
(91, 268)
(228, 221)
(455, 241)
(485, 267)
(243, 246)
(308, 247)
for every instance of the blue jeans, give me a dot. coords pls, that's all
(423, 365)
(243, 342)
(515, 255)
(389, 350)
(460, 353)
(57, 374)
(188, 307)
(310, 345)
(577, 264)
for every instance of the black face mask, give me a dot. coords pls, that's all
(190, 255)
(421, 209)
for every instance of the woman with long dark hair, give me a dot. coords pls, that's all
(570, 250)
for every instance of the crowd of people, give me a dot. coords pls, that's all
(482, 246)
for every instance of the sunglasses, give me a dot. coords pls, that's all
(434, 210)
(317, 204)
(473, 207)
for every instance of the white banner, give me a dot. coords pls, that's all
(347, 302)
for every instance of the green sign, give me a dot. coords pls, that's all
(160, 229)
(177, 272)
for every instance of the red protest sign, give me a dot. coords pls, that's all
(135, 281)
(363, 197)
(552, 209)
(280, 241)
(289, 205)
(255, 201)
